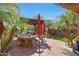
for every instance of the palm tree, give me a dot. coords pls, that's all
(9, 18)
(67, 21)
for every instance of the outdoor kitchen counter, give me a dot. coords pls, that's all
(26, 41)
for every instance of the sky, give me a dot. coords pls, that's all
(46, 10)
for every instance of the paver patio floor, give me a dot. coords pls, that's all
(54, 48)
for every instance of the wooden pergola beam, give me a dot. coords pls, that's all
(71, 6)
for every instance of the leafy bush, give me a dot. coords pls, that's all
(62, 39)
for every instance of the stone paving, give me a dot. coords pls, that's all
(54, 48)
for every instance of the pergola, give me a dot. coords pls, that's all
(71, 6)
(33, 22)
(74, 7)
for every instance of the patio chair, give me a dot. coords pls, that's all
(28, 33)
(76, 49)
(33, 33)
(20, 42)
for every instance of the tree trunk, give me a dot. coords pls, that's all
(1, 28)
(70, 39)
(1, 32)
(12, 33)
(66, 36)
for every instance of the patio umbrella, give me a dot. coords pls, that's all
(39, 27)
(39, 32)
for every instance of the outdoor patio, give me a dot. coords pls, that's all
(53, 48)
(18, 32)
